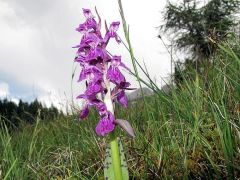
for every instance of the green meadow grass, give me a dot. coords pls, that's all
(192, 132)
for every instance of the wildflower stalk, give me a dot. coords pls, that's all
(115, 156)
(100, 71)
(113, 136)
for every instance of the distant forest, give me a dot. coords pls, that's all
(13, 115)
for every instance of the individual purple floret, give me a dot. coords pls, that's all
(98, 69)
(111, 33)
(89, 101)
(114, 74)
(106, 124)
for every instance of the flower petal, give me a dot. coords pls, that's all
(84, 112)
(105, 125)
(93, 88)
(125, 125)
(122, 99)
(114, 75)
(87, 13)
(111, 33)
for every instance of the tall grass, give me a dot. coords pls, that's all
(192, 132)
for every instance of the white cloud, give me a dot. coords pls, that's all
(5, 93)
(37, 37)
(4, 90)
(15, 100)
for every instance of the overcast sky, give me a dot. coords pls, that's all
(36, 37)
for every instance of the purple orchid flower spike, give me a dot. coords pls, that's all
(105, 83)
(99, 68)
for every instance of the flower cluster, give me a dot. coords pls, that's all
(98, 69)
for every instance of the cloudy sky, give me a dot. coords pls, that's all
(36, 36)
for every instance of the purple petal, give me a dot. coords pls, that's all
(92, 40)
(114, 75)
(91, 73)
(94, 88)
(84, 112)
(125, 125)
(111, 33)
(101, 107)
(87, 13)
(116, 62)
(122, 99)
(98, 53)
(90, 23)
(82, 96)
(82, 76)
(82, 28)
(113, 28)
(124, 85)
(105, 125)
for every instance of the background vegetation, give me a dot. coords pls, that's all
(193, 131)
(13, 115)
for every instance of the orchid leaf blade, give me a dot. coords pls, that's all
(108, 165)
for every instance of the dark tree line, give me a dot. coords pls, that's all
(13, 115)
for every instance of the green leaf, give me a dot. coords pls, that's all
(108, 165)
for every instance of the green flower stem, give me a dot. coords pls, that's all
(115, 157)
(113, 136)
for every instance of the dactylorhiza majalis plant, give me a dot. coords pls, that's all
(101, 71)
